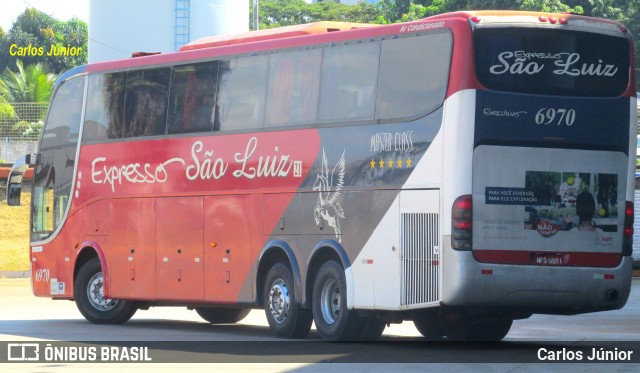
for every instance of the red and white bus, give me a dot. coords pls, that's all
(460, 171)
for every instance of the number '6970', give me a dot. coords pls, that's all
(556, 116)
(42, 275)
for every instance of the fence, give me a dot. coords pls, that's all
(20, 127)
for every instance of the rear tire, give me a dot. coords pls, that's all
(491, 330)
(430, 326)
(494, 330)
(223, 315)
(334, 322)
(89, 297)
(285, 316)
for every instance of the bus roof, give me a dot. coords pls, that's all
(514, 16)
(323, 32)
(274, 33)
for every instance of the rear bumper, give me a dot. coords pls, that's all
(539, 289)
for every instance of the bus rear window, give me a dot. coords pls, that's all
(555, 62)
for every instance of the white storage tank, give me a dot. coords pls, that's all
(218, 17)
(118, 28)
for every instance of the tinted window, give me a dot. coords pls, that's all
(146, 100)
(552, 61)
(294, 83)
(349, 79)
(193, 96)
(53, 177)
(243, 85)
(63, 120)
(414, 72)
(105, 107)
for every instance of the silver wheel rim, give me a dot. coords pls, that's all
(279, 301)
(330, 301)
(95, 294)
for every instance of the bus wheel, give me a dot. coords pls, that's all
(372, 329)
(430, 328)
(494, 330)
(334, 322)
(90, 300)
(286, 318)
(223, 315)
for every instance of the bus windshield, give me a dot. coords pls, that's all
(550, 61)
(57, 154)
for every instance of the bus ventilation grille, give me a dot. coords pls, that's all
(420, 258)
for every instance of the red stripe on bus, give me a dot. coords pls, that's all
(565, 259)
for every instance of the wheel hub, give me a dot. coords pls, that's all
(279, 301)
(95, 293)
(330, 301)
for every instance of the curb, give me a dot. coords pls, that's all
(15, 274)
(27, 274)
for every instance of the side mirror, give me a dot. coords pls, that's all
(14, 181)
(13, 194)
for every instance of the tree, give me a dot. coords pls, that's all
(35, 29)
(394, 10)
(33, 84)
(30, 84)
(73, 33)
(276, 13)
(365, 12)
(7, 112)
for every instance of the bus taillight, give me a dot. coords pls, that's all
(627, 240)
(461, 223)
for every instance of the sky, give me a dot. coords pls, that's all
(63, 10)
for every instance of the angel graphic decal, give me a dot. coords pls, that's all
(329, 187)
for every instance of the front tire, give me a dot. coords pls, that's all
(222, 315)
(334, 322)
(90, 300)
(286, 318)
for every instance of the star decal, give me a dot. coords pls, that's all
(391, 163)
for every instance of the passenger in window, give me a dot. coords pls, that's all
(148, 112)
(114, 94)
(205, 113)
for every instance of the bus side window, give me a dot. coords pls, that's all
(146, 100)
(414, 73)
(192, 105)
(241, 96)
(349, 79)
(105, 107)
(294, 83)
(63, 120)
(96, 119)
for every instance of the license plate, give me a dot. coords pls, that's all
(549, 259)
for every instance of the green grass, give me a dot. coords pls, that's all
(14, 235)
